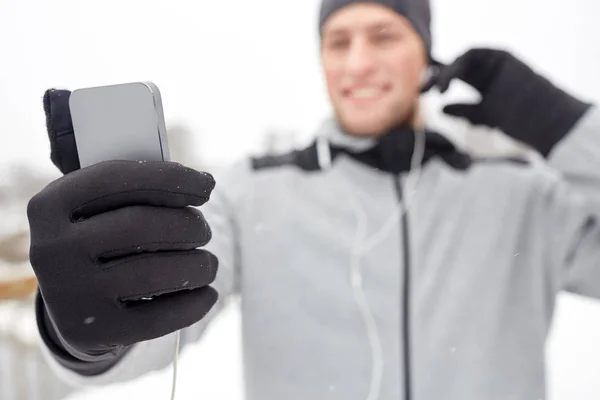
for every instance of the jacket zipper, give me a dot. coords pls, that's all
(405, 268)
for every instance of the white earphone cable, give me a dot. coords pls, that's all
(364, 244)
(175, 361)
(362, 302)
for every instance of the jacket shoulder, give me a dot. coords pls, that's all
(517, 172)
(249, 174)
(508, 160)
(304, 159)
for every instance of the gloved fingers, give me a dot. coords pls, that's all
(114, 184)
(478, 67)
(153, 275)
(141, 229)
(151, 319)
(63, 150)
(93, 324)
(471, 112)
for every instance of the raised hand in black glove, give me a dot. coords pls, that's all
(515, 99)
(106, 238)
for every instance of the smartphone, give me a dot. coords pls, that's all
(119, 122)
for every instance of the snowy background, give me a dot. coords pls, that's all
(229, 71)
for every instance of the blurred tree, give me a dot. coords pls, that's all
(19, 184)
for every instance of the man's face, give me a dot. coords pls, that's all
(373, 61)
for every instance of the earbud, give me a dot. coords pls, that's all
(425, 75)
(428, 77)
(430, 72)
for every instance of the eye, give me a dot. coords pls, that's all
(337, 43)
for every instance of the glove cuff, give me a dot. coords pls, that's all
(535, 111)
(562, 113)
(85, 362)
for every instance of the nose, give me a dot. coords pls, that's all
(360, 58)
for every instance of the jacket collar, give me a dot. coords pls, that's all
(392, 152)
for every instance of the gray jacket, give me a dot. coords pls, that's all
(345, 297)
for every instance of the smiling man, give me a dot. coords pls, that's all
(374, 61)
(378, 263)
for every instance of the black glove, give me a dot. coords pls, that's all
(63, 151)
(106, 238)
(523, 104)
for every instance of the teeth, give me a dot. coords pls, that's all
(365, 93)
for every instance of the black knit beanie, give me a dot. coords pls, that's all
(416, 11)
